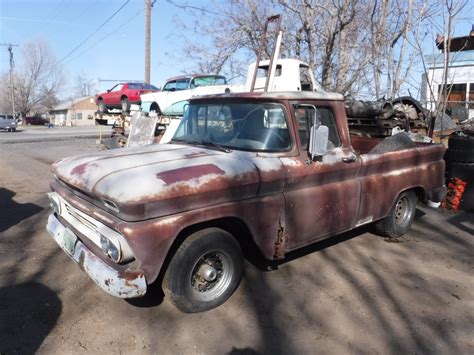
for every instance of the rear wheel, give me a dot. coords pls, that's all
(125, 105)
(205, 270)
(400, 218)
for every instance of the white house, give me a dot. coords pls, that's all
(460, 76)
(75, 112)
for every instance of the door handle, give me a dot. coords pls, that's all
(350, 158)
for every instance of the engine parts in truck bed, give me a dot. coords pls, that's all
(379, 118)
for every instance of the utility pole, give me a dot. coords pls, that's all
(12, 86)
(148, 6)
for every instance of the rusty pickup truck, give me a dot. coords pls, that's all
(270, 171)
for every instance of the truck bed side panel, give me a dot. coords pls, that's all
(384, 176)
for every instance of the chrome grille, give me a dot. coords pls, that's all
(74, 214)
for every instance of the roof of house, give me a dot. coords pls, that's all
(66, 105)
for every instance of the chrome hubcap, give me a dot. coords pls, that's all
(402, 211)
(212, 274)
(207, 272)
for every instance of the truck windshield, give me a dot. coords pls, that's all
(240, 126)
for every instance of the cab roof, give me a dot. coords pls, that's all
(278, 95)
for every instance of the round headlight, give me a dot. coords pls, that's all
(109, 249)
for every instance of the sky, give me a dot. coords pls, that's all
(115, 52)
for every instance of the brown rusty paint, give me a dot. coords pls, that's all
(79, 169)
(188, 173)
(279, 240)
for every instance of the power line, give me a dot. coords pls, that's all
(186, 7)
(114, 31)
(93, 33)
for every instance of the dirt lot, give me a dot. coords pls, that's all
(357, 293)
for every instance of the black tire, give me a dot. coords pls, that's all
(125, 104)
(205, 271)
(400, 218)
(102, 107)
(459, 156)
(461, 142)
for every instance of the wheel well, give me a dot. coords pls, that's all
(100, 98)
(235, 226)
(154, 107)
(124, 97)
(420, 193)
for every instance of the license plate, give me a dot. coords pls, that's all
(63, 236)
(69, 241)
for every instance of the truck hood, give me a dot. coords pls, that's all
(158, 180)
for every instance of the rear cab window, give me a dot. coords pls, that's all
(304, 115)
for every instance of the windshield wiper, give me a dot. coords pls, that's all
(215, 145)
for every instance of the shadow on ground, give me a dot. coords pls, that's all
(28, 313)
(11, 212)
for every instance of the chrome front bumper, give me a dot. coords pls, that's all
(123, 284)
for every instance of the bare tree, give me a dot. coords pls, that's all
(37, 80)
(83, 85)
(353, 46)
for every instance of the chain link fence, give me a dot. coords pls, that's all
(460, 112)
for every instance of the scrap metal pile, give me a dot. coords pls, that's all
(379, 118)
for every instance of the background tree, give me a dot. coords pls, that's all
(83, 85)
(37, 80)
(355, 47)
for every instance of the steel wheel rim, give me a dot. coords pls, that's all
(124, 105)
(210, 290)
(402, 211)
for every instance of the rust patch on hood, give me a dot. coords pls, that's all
(79, 169)
(189, 173)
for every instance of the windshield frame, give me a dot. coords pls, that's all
(202, 142)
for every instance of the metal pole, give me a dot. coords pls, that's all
(12, 83)
(12, 86)
(147, 39)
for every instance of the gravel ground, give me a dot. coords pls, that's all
(355, 293)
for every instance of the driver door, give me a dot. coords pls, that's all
(322, 196)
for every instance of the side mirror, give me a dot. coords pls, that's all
(318, 141)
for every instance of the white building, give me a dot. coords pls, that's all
(75, 112)
(460, 77)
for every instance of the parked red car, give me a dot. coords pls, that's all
(35, 121)
(122, 95)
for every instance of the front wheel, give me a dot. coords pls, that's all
(400, 218)
(102, 107)
(205, 270)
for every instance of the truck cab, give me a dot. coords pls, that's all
(290, 75)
